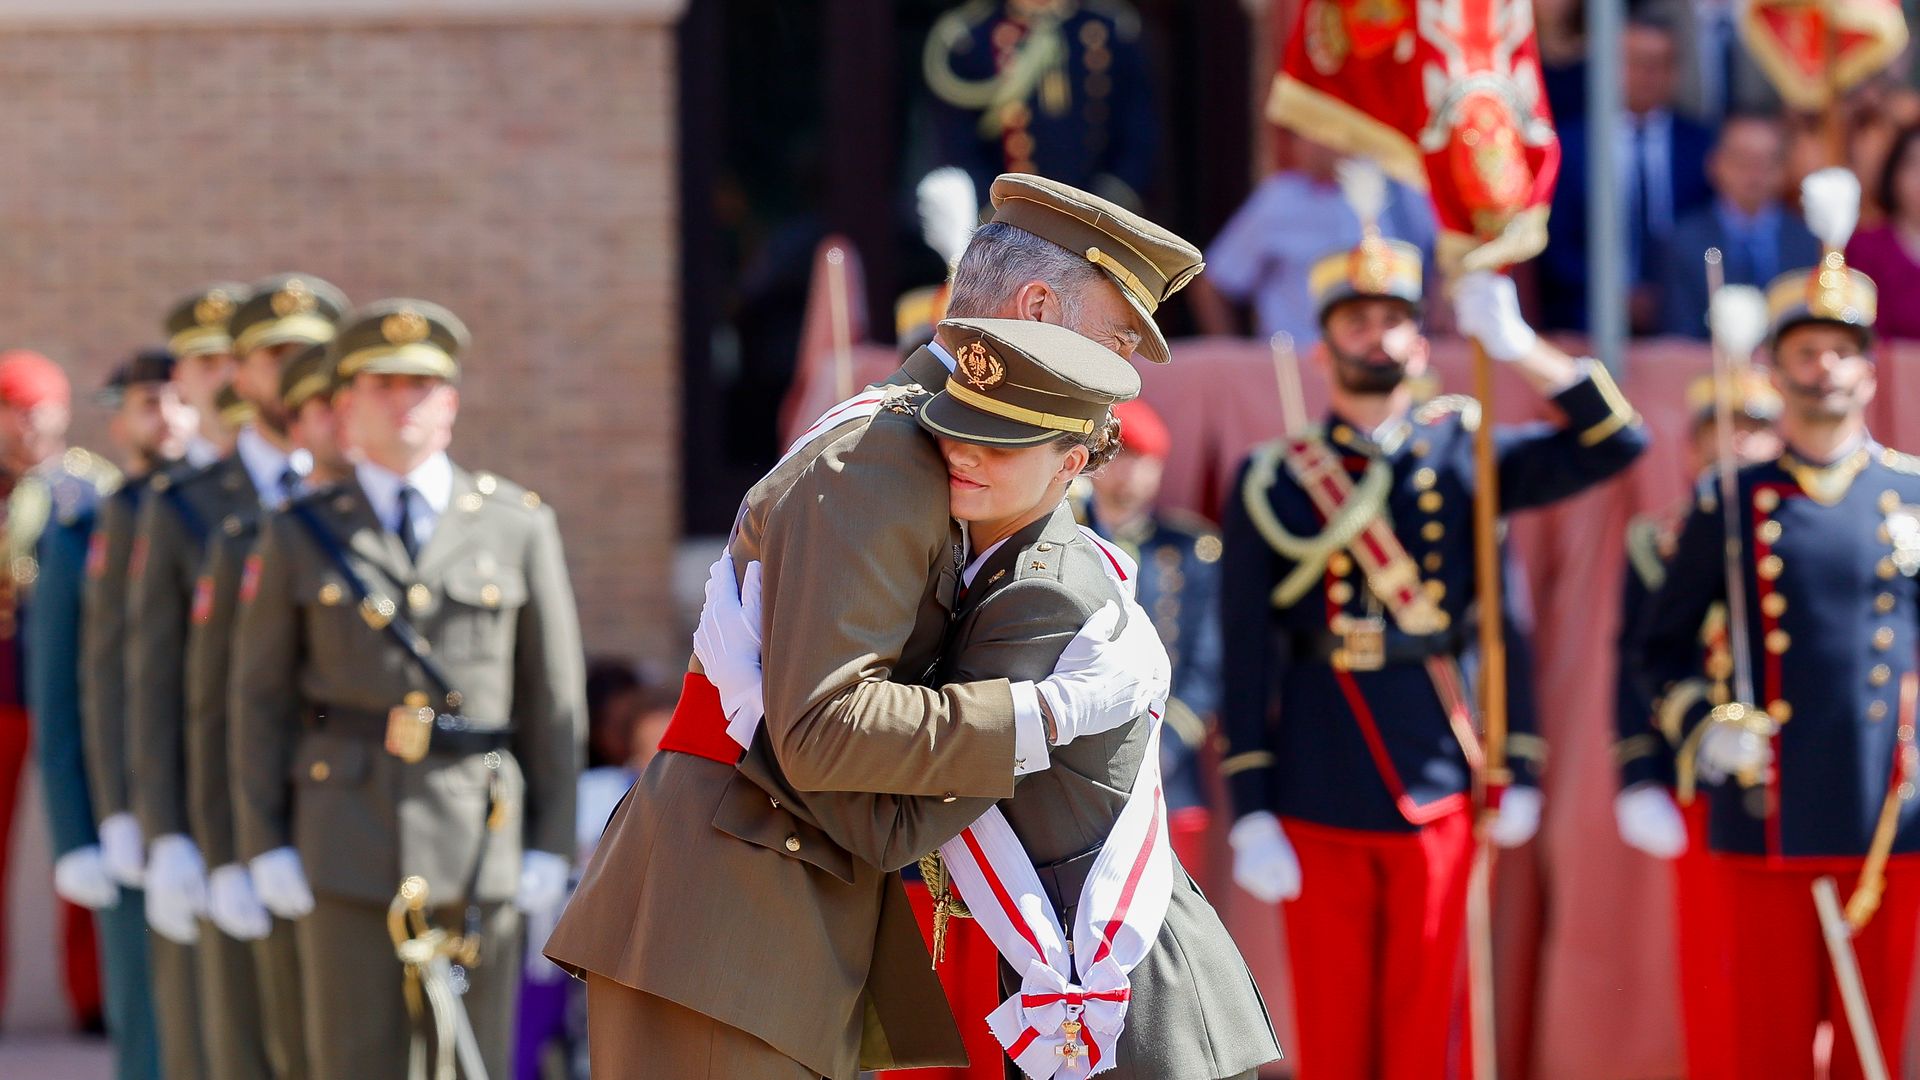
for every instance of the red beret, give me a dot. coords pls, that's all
(28, 379)
(1141, 429)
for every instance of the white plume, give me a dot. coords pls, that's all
(949, 210)
(1737, 315)
(1830, 199)
(1365, 188)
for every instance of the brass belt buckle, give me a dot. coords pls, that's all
(1363, 643)
(410, 728)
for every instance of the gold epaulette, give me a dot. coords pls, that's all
(1309, 553)
(1467, 407)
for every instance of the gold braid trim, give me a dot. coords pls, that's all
(1635, 747)
(1643, 551)
(1309, 553)
(1252, 759)
(1671, 714)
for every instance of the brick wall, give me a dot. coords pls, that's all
(521, 174)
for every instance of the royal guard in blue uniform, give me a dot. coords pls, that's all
(1812, 765)
(1179, 585)
(1652, 816)
(1347, 579)
(1060, 88)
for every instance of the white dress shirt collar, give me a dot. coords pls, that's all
(433, 479)
(267, 464)
(944, 356)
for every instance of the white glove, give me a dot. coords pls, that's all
(281, 881)
(1100, 684)
(1263, 860)
(1487, 309)
(543, 882)
(176, 888)
(727, 641)
(233, 905)
(1731, 750)
(1519, 817)
(123, 849)
(1649, 821)
(80, 877)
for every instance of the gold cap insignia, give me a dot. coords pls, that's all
(404, 327)
(1372, 269)
(213, 309)
(980, 367)
(294, 298)
(1828, 287)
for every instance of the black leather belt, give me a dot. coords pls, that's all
(1400, 648)
(452, 733)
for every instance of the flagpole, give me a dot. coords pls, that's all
(1493, 714)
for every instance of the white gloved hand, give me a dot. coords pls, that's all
(123, 849)
(233, 905)
(1649, 821)
(1100, 684)
(543, 882)
(1519, 817)
(176, 888)
(1487, 309)
(727, 641)
(80, 877)
(1731, 750)
(1264, 862)
(281, 881)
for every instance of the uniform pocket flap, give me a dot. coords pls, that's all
(330, 761)
(750, 814)
(497, 587)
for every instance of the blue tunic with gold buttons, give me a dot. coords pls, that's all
(1827, 569)
(1178, 584)
(1310, 735)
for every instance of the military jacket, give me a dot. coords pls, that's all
(1028, 599)
(209, 652)
(1178, 584)
(1376, 750)
(314, 680)
(103, 648)
(1827, 563)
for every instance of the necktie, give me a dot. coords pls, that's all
(405, 524)
(289, 484)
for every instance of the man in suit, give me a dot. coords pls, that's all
(406, 707)
(1717, 77)
(1661, 160)
(175, 533)
(861, 566)
(1758, 237)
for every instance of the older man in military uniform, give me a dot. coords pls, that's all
(1347, 567)
(1815, 777)
(406, 706)
(683, 980)
(176, 529)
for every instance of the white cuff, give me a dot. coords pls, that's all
(1030, 750)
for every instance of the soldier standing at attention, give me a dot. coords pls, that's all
(1346, 581)
(175, 533)
(407, 652)
(1178, 583)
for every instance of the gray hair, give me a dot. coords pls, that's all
(1000, 258)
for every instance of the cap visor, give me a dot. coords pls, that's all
(946, 416)
(1153, 344)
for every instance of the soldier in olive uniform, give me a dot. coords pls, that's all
(176, 530)
(406, 704)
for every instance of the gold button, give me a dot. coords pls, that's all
(490, 594)
(1437, 590)
(1883, 638)
(320, 771)
(1889, 501)
(418, 597)
(948, 797)
(1766, 500)
(1420, 447)
(1442, 620)
(1423, 479)
(1340, 563)
(530, 500)
(1770, 567)
(1877, 710)
(1339, 592)
(1886, 569)
(793, 843)
(1433, 530)
(1780, 710)
(330, 594)
(1432, 562)
(471, 502)
(1769, 531)
(1879, 675)
(1719, 666)
(1343, 435)
(1774, 604)
(486, 482)
(1431, 501)
(1778, 641)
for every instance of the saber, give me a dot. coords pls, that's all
(1729, 477)
(1846, 970)
(1286, 375)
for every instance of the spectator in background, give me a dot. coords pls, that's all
(1295, 217)
(1561, 29)
(1662, 169)
(1717, 77)
(1757, 235)
(1890, 252)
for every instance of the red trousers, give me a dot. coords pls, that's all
(1782, 987)
(971, 977)
(1703, 959)
(79, 951)
(1376, 941)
